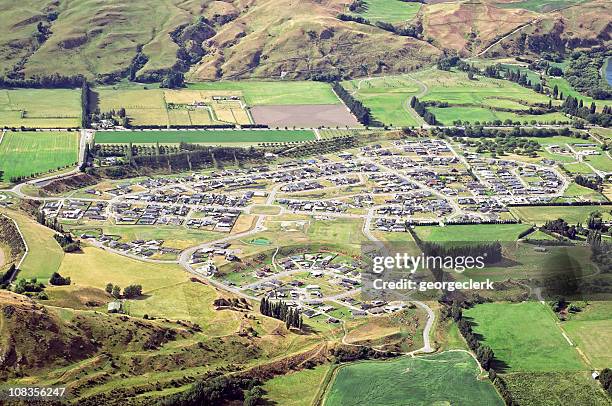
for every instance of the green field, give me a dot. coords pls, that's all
(40, 108)
(539, 5)
(390, 11)
(258, 93)
(524, 337)
(442, 379)
(387, 97)
(572, 214)
(476, 232)
(203, 136)
(483, 99)
(30, 153)
(555, 389)
(591, 330)
(296, 388)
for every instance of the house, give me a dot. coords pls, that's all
(115, 307)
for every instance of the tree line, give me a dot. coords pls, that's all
(361, 112)
(422, 111)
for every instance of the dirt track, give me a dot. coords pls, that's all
(308, 115)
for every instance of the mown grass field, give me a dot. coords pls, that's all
(390, 11)
(572, 214)
(524, 337)
(258, 93)
(203, 136)
(469, 233)
(445, 378)
(29, 153)
(40, 108)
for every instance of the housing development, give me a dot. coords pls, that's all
(373, 202)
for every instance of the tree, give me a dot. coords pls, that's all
(132, 291)
(116, 292)
(109, 288)
(58, 280)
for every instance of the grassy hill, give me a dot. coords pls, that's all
(271, 38)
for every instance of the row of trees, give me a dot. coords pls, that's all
(592, 182)
(483, 352)
(575, 107)
(281, 311)
(361, 112)
(421, 110)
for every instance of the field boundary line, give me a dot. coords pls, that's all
(2, 136)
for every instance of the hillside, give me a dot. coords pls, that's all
(268, 38)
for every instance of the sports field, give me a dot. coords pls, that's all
(476, 232)
(524, 337)
(203, 136)
(258, 93)
(40, 108)
(30, 153)
(572, 214)
(390, 11)
(442, 379)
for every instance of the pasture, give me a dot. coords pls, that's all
(295, 388)
(539, 6)
(257, 93)
(390, 11)
(591, 329)
(524, 337)
(203, 136)
(445, 378)
(469, 233)
(40, 108)
(482, 99)
(31, 153)
(572, 214)
(558, 388)
(387, 97)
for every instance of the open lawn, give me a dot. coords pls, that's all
(40, 108)
(390, 11)
(572, 214)
(257, 93)
(296, 388)
(555, 389)
(31, 153)
(441, 379)
(476, 232)
(203, 136)
(524, 337)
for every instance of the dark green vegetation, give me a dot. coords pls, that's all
(449, 377)
(203, 136)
